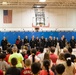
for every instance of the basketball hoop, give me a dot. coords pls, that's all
(41, 25)
(36, 28)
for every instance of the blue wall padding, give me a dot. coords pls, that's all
(12, 36)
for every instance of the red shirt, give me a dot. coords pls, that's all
(17, 41)
(1, 72)
(26, 56)
(37, 52)
(44, 72)
(26, 71)
(53, 57)
(7, 57)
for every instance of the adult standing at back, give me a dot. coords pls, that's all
(61, 43)
(37, 42)
(32, 42)
(26, 40)
(4, 43)
(50, 41)
(64, 40)
(19, 57)
(18, 42)
(72, 42)
(43, 41)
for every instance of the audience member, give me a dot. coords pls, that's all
(65, 50)
(27, 70)
(58, 48)
(27, 54)
(33, 58)
(38, 51)
(13, 70)
(41, 55)
(53, 56)
(69, 66)
(19, 57)
(61, 59)
(72, 55)
(46, 68)
(3, 64)
(24, 52)
(36, 61)
(47, 56)
(36, 67)
(1, 72)
(60, 68)
(8, 53)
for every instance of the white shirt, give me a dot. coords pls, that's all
(68, 69)
(36, 58)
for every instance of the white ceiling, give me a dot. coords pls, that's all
(49, 3)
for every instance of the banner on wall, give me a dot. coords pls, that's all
(7, 16)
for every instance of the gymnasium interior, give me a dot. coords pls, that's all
(25, 24)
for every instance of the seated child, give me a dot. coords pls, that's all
(3, 64)
(13, 70)
(46, 68)
(27, 70)
(36, 67)
(60, 68)
(1, 72)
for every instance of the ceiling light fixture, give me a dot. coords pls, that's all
(39, 5)
(42, 0)
(4, 3)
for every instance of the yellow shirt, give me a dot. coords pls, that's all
(19, 59)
